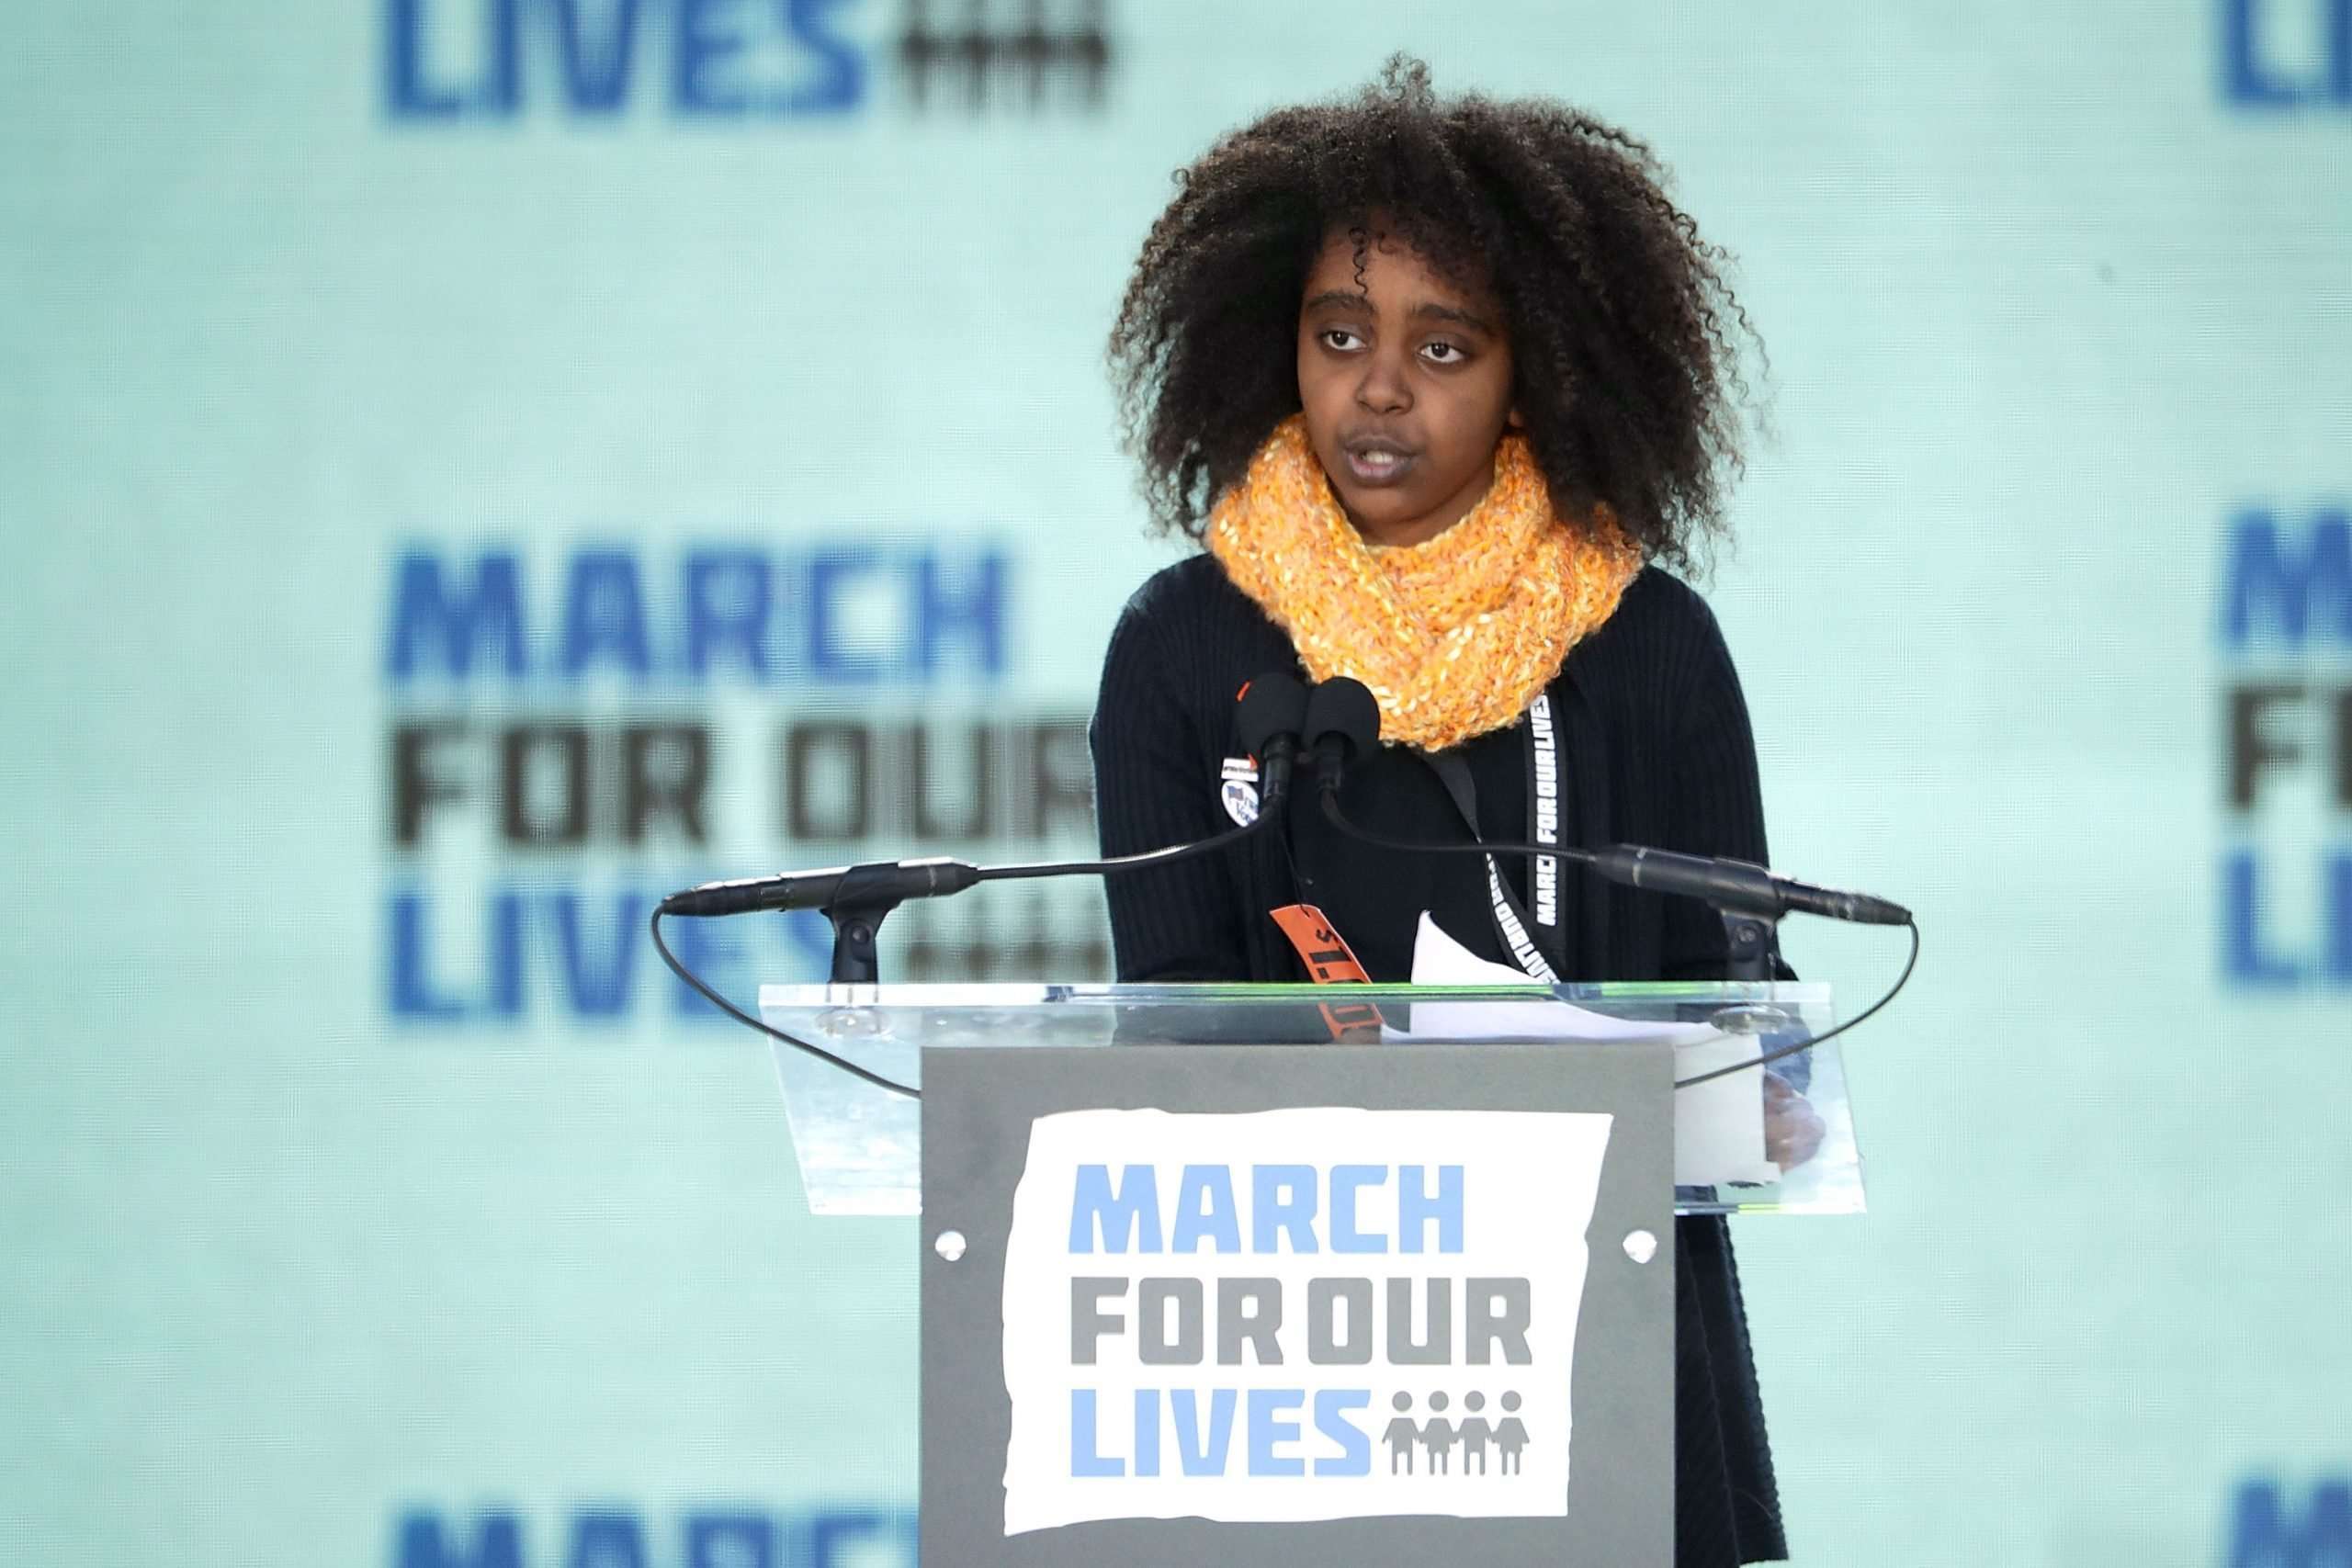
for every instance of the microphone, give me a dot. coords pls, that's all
(890, 881)
(1272, 710)
(1741, 887)
(1343, 722)
(1271, 714)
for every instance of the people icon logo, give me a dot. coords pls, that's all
(1437, 1438)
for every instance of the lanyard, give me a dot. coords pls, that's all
(1538, 943)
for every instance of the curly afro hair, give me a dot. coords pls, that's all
(1626, 340)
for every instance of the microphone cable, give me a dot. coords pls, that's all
(740, 1016)
(1810, 1041)
(894, 1087)
(1167, 855)
(1576, 853)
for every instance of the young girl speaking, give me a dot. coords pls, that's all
(1443, 387)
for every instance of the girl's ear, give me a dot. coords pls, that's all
(1512, 420)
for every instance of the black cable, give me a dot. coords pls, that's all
(1573, 852)
(1183, 852)
(1019, 870)
(1810, 1041)
(740, 1016)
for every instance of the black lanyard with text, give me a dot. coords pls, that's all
(1535, 939)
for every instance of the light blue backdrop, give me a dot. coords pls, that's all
(376, 1202)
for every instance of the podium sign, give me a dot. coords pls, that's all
(1394, 1304)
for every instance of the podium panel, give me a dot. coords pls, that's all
(1365, 1305)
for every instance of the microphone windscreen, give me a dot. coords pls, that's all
(1345, 709)
(1273, 703)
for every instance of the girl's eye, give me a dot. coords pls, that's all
(1441, 354)
(1339, 338)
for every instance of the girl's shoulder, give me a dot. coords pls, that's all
(1661, 618)
(1193, 608)
(1192, 589)
(1189, 625)
(1658, 604)
(1662, 649)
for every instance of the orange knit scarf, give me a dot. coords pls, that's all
(1455, 636)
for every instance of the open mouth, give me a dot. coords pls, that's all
(1377, 462)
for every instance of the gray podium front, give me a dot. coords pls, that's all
(1301, 1275)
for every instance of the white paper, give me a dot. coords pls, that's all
(1718, 1126)
(1526, 1182)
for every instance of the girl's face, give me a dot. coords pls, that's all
(1406, 384)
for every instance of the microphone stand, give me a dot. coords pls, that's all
(1752, 945)
(863, 896)
(856, 911)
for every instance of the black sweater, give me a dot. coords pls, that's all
(1655, 749)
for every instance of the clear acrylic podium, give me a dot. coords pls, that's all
(1296, 1276)
(860, 1147)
